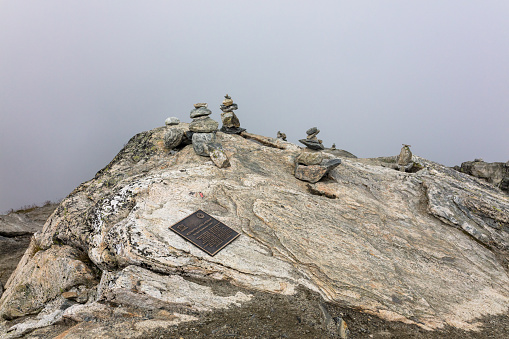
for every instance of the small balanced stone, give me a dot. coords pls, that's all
(227, 100)
(201, 104)
(312, 132)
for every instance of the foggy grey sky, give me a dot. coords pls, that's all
(79, 78)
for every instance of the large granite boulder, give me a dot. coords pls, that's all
(425, 249)
(496, 173)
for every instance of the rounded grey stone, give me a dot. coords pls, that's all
(312, 130)
(173, 137)
(172, 121)
(201, 142)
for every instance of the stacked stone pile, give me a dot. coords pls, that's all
(311, 165)
(231, 123)
(204, 129)
(281, 135)
(312, 141)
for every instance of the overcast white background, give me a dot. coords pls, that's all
(79, 78)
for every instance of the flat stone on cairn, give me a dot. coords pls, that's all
(206, 125)
(200, 112)
(231, 123)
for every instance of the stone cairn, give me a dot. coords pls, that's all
(405, 163)
(231, 123)
(203, 129)
(312, 141)
(281, 135)
(311, 165)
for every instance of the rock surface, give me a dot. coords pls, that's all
(16, 229)
(426, 249)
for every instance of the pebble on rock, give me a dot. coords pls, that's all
(172, 121)
(218, 155)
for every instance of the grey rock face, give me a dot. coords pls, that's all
(200, 112)
(172, 121)
(206, 125)
(201, 142)
(496, 173)
(421, 249)
(173, 137)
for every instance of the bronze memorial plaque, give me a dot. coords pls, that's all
(205, 232)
